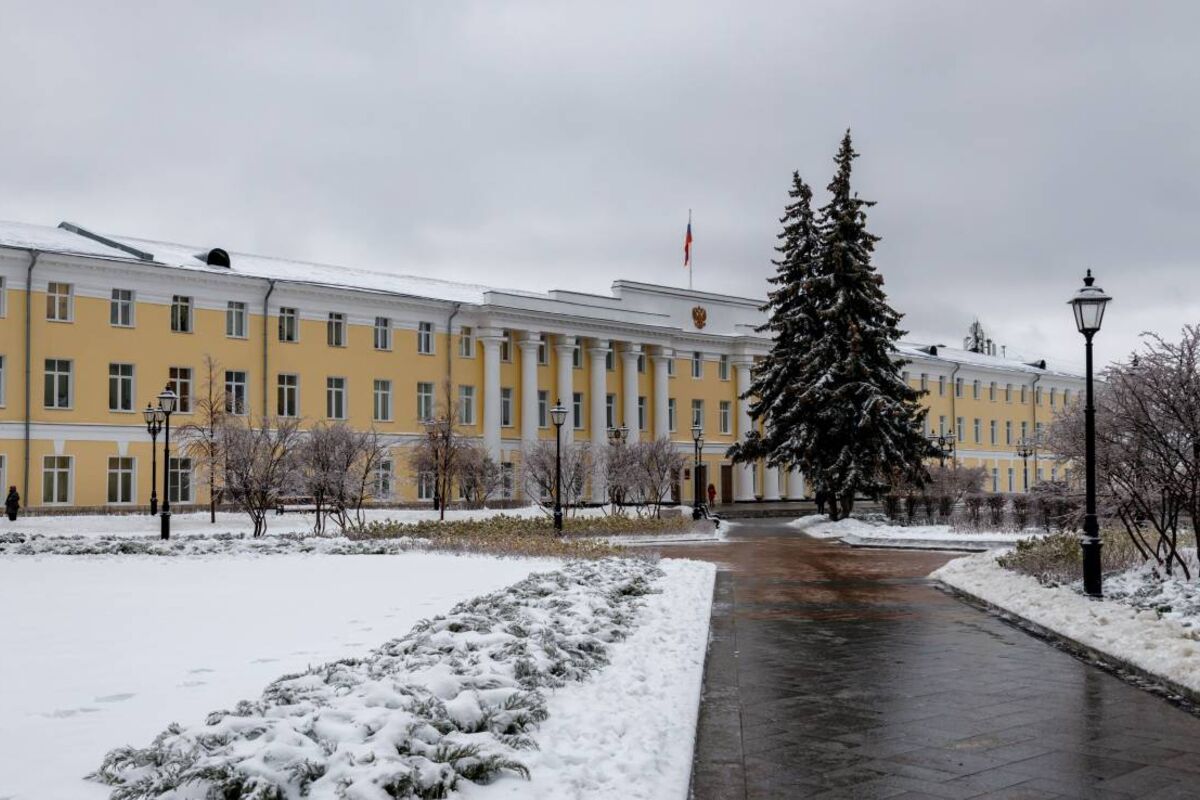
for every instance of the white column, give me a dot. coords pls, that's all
(491, 339)
(795, 484)
(529, 399)
(743, 483)
(770, 483)
(565, 352)
(629, 380)
(598, 388)
(662, 391)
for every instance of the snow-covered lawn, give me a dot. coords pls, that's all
(1153, 629)
(860, 532)
(196, 523)
(99, 652)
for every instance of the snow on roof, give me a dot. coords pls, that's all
(957, 355)
(54, 240)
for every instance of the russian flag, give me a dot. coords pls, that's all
(687, 244)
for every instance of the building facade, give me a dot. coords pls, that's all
(93, 326)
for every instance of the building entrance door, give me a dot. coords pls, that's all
(727, 483)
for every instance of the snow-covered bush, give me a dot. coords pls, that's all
(455, 700)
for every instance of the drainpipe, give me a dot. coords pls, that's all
(1033, 401)
(449, 356)
(266, 339)
(954, 408)
(33, 259)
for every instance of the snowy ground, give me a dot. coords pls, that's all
(1163, 640)
(105, 651)
(196, 523)
(629, 731)
(860, 532)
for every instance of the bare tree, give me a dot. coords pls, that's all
(259, 465)
(538, 471)
(621, 475)
(479, 476)
(437, 453)
(656, 464)
(336, 465)
(201, 439)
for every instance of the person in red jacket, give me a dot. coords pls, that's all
(712, 494)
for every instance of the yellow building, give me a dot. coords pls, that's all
(93, 326)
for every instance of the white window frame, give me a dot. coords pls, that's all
(641, 408)
(236, 395)
(723, 368)
(129, 472)
(425, 338)
(466, 342)
(181, 383)
(3, 387)
(425, 487)
(236, 320)
(3, 307)
(725, 417)
(543, 399)
(671, 415)
(68, 471)
(382, 403)
(335, 329)
(58, 375)
(697, 365)
(289, 324)
(993, 432)
(506, 346)
(60, 301)
(336, 397)
(383, 482)
(466, 404)
(577, 356)
(506, 407)
(183, 317)
(383, 333)
(287, 395)
(698, 412)
(176, 473)
(978, 429)
(121, 381)
(610, 360)
(641, 364)
(577, 410)
(610, 411)
(122, 306)
(424, 401)
(543, 353)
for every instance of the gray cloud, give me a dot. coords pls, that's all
(1009, 145)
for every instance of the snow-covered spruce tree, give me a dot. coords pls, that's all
(829, 394)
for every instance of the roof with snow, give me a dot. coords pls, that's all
(969, 358)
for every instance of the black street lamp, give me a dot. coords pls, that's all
(166, 406)
(1088, 305)
(154, 423)
(944, 442)
(1024, 451)
(559, 415)
(698, 441)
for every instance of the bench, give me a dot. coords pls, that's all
(295, 504)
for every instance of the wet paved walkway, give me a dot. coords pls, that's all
(840, 673)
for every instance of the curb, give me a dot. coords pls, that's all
(1175, 693)
(921, 544)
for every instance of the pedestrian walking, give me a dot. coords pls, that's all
(712, 494)
(12, 503)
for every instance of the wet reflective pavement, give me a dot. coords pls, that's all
(841, 673)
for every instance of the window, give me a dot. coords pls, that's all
(120, 387)
(609, 360)
(577, 410)
(425, 338)
(181, 314)
(577, 357)
(610, 410)
(424, 401)
(992, 431)
(942, 425)
(941, 385)
(992, 391)
(1008, 392)
(425, 486)
(1023, 393)
(506, 404)
(235, 320)
(978, 430)
(995, 479)
(543, 354)
(543, 408)
(383, 333)
(288, 396)
(1008, 431)
(698, 413)
(506, 345)
(725, 416)
(1037, 432)
(120, 480)
(671, 414)
(697, 365)
(235, 392)
(958, 387)
(1010, 480)
(3, 313)
(384, 482)
(1037, 396)
(120, 308)
(1038, 478)
(506, 480)
(179, 480)
(975, 390)
(335, 330)
(1, 394)
(723, 368)
(335, 398)
(60, 306)
(58, 383)
(56, 480)
(641, 413)
(924, 381)
(1053, 396)
(180, 381)
(289, 328)
(641, 364)
(1066, 396)
(670, 367)
(466, 342)
(383, 401)
(960, 430)
(1024, 430)
(466, 405)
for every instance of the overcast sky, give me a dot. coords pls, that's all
(559, 145)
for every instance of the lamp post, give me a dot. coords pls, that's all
(944, 442)
(166, 406)
(154, 423)
(559, 415)
(698, 441)
(1088, 305)
(1024, 451)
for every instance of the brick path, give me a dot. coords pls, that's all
(839, 673)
